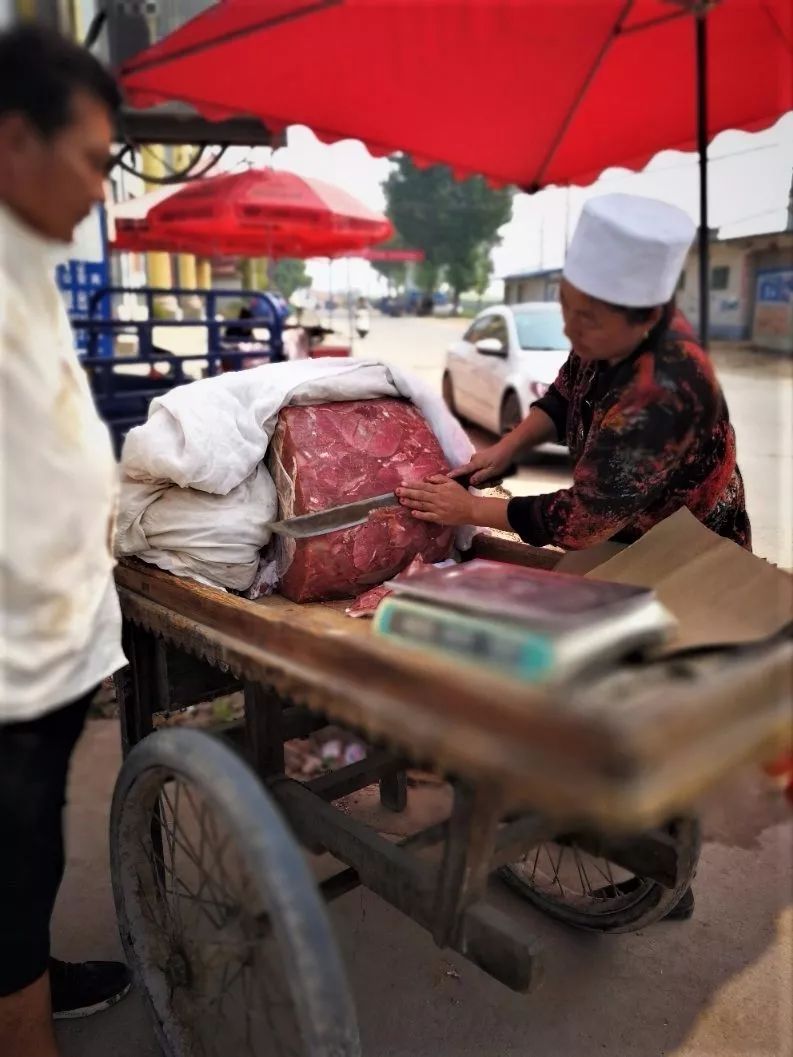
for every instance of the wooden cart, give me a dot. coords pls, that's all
(567, 796)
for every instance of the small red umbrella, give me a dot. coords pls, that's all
(136, 236)
(261, 212)
(530, 92)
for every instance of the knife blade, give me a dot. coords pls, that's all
(336, 518)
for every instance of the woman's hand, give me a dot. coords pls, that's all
(486, 464)
(439, 499)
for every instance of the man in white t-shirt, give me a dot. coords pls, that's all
(59, 616)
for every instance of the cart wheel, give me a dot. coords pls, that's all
(590, 892)
(218, 913)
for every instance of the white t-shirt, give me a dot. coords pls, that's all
(60, 624)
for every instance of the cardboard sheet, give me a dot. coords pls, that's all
(579, 563)
(719, 593)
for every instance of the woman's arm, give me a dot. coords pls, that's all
(443, 500)
(492, 461)
(536, 428)
(546, 421)
(639, 443)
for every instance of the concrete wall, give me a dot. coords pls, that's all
(541, 287)
(730, 307)
(772, 317)
(757, 303)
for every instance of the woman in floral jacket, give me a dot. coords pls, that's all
(637, 402)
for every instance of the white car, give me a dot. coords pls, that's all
(506, 360)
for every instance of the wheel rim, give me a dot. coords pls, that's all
(567, 878)
(203, 943)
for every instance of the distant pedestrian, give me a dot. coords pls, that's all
(362, 320)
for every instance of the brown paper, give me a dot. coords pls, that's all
(579, 563)
(718, 592)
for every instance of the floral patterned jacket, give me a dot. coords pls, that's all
(648, 436)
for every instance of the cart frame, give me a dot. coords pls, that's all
(187, 644)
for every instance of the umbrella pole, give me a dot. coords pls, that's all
(702, 147)
(329, 312)
(350, 312)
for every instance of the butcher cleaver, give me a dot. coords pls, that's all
(346, 516)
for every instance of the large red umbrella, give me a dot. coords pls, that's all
(530, 92)
(138, 237)
(261, 212)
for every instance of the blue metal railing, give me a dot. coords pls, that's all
(123, 398)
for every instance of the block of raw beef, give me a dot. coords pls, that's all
(327, 454)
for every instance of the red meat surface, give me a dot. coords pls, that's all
(328, 454)
(365, 605)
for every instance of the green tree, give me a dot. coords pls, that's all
(452, 221)
(483, 273)
(285, 275)
(393, 271)
(471, 272)
(461, 274)
(428, 276)
(288, 275)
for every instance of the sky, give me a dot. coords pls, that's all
(750, 178)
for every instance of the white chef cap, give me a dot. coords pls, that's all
(629, 250)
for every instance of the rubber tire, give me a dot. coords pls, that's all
(312, 964)
(655, 904)
(511, 413)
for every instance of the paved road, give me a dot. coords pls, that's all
(718, 986)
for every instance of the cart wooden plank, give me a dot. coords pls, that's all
(622, 753)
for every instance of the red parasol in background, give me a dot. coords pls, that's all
(261, 212)
(136, 236)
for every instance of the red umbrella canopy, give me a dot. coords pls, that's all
(531, 92)
(260, 212)
(138, 237)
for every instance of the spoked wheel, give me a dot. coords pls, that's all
(577, 881)
(219, 915)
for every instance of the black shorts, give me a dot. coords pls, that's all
(34, 763)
